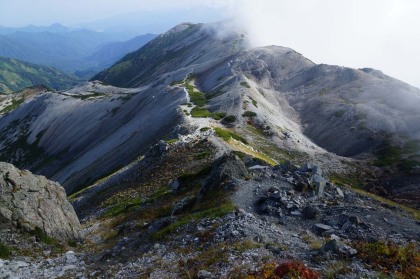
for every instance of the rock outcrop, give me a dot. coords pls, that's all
(28, 202)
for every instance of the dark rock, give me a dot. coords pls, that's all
(226, 173)
(301, 186)
(309, 212)
(316, 171)
(183, 205)
(174, 185)
(159, 224)
(322, 228)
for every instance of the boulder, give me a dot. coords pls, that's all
(336, 247)
(30, 202)
(226, 173)
(319, 182)
(310, 212)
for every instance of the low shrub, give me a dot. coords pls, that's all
(229, 119)
(5, 252)
(249, 114)
(389, 258)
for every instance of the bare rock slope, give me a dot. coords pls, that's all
(28, 202)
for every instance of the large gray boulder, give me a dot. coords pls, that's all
(29, 201)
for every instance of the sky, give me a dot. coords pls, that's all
(381, 34)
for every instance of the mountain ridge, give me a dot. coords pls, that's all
(224, 160)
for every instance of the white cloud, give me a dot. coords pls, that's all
(382, 34)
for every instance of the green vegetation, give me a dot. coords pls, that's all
(123, 207)
(253, 101)
(227, 135)
(129, 205)
(323, 92)
(218, 115)
(336, 268)
(229, 119)
(411, 146)
(41, 236)
(14, 105)
(391, 259)
(196, 97)
(5, 252)
(115, 110)
(171, 141)
(347, 179)
(87, 96)
(356, 183)
(205, 129)
(214, 212)
(387, 154)
(16, 75)
(245, 84)
(339, 113)
(202, 155)
(249, 114)
(177, 82)
(246, 245)
(200, 112)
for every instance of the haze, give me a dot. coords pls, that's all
(381, 34)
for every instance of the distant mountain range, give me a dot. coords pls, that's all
(16, 75)
(53, 28)
(83, 51)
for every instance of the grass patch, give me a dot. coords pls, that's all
(218, 115)
(126, 206)
(202, 155)
(87, 96)
(5, 251)
(210, 213)
(177, 82)
(351, 179)
(245, 245)
(205, 129)
(123, 207)
(41, 236)
(171, 141)
(226, 135)
(335, 269)
(196, 97)
(355, 182)
(245, 84)
(411, 146)
(200, 112)
(391, 259)
(339, 113)
(14, 105)
(249, 114)
(408, 164)
(253, 101)
(387, 155)
(313, 243)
